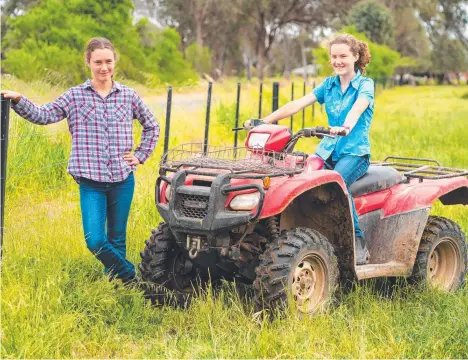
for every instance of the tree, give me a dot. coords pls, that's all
(411, 38)
(269, 17)
(374, 19)
(444, 17)
(48, 41)
(449, 55)
(208, 23)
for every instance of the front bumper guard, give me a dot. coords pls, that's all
(218, 220)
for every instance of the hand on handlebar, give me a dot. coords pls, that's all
(339, 130)
(249, 124)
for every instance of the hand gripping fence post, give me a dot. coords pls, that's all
(168, 119)
(5, 119)
(207, 123)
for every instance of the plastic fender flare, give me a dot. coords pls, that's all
(279, 197)
(457, 196)
(416, 195)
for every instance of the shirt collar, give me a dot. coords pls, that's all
(115, 85)
(354, 81)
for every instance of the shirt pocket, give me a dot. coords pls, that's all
(86, 112)
(122, 113)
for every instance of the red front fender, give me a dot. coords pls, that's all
(282, 193)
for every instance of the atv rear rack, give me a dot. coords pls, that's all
(429, 169)
(239, 161)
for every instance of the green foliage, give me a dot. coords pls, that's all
(383, 63)
(200, 58)
(449, 55)
(49, 40)
(374, 19)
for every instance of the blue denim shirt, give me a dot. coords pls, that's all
(337, 106)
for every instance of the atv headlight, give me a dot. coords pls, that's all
(258, 140)
(168, 192)
(245, 201)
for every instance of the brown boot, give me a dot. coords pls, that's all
(362, 253)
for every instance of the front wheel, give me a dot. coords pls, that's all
(300, 266)
(442, 260)
(169, 275)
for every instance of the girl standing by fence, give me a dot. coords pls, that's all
(100, 116)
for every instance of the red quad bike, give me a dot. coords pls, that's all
(274, 218)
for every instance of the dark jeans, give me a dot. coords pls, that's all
(351, 168)
(109, 203)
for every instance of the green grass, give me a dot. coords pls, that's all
(57, 304)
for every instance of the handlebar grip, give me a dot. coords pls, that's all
(237, 129)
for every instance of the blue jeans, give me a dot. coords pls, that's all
(103, 202)
(351, 168)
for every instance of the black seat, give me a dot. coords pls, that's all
(377, 178)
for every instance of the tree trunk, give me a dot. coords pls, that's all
(260, 62)
(199, 27)
(304, 61)
(287, 58)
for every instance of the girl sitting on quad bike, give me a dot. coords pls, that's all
(349, 103)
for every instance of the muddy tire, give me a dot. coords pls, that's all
(169, 276)
(300, 266)
(442, 259)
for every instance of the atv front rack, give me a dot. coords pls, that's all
(425, 169)
(239, 161)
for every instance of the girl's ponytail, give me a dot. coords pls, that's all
(364, 57)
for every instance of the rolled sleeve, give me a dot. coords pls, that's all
(150, 134)
(319, 92)
(366, 91)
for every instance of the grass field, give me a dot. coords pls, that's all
(56, 303)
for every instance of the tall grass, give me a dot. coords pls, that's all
(56, 303)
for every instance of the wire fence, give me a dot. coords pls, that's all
(26, 168)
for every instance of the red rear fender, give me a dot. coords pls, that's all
(416, 195)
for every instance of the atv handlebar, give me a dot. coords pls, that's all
(319, 130)
(307, 132)
(254, 122)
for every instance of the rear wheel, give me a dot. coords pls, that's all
(169, 275)
(442, 255)
(299, 266)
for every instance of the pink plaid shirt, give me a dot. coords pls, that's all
(101, 129)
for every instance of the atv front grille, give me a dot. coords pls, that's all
(193, 206)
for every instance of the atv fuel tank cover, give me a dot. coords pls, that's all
(279, 136)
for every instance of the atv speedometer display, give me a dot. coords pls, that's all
(258, 140)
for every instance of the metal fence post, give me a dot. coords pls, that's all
(207, 122)
(313, 105)
(292, 98)
(168, 119)
(260, 101)
(274, 103)
(303, 110)
(237, 112)
(5, 119)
